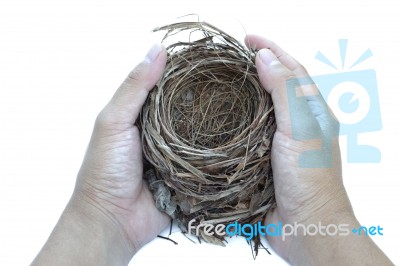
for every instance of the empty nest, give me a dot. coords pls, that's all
(207, 130)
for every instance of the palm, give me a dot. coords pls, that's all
(118, 182)
(112, 172)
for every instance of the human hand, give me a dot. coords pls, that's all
(306, 195)
(111, 213)
(111, 176)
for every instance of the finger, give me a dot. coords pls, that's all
(125, 105)
(316, 102)
(293, 115)
(257, 42)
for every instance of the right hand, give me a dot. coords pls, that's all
(303, 195)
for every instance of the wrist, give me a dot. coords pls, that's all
(338, 247)
(326, 224)
(85, 235)
(324, 246)
(98, 223)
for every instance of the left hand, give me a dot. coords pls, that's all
(111, 176)
(111, 214)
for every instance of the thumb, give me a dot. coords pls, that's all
(287, 96)
(124, 107)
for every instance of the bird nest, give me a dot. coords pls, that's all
(207, 129)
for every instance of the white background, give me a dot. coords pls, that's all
(60, 62)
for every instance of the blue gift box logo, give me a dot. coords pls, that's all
(353, 98)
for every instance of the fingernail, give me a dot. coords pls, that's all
(153, 53)
(267, 57)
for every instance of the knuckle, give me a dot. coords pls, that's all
(283, 73)
(301, 68)
(137, 73)
(104, 119)
(111, 120)
(312, 127)
(335, 125)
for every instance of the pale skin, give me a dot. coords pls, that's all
(111, 213)
(307, 195)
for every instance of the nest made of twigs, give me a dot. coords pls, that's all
(207, 130)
